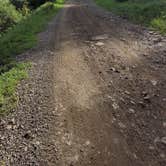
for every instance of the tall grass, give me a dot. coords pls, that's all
(151, 13)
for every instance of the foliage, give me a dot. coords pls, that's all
(31, 3)
(8, 15)
(18, 3)
(16, 40)
(148, 12)
(36, 3)
(23, 35)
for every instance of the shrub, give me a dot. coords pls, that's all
(8, 15)
(23, 35)
(18, 3)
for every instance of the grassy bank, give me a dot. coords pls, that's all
(16, 40)
(151, 13)
(8, 84)
(23, 35)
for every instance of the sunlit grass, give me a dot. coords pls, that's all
(8, 83)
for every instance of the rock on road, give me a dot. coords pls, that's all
(96, 95)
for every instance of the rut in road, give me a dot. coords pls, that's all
(96, 94)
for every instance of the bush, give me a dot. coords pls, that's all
(18, 3)
(8, 15)
(23, 35)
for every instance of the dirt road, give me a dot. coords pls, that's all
(96, 95)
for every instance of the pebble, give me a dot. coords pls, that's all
(131, 110)
(115, 106)
(154, 82)
(99, 44)
(26, 149)
(37, 143)
(164, 99)
(162, 155)
(163, 140)
(100, 37)
(121, 125)
(127, 92)
(164, 124)
(151, 147)
(147, 98)
(9, 127)
(87, 143)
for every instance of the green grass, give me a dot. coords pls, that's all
(151, 13)
(8, 84)
(8, 15)
(16, 40)
(23, 35)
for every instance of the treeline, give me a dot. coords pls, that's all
(12, 11)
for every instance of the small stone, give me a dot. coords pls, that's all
(68, 143)
(135, 156)
(142, 104)
(157, 139)
(9, 127)
(99, 152)
(162, 155)
(99, 44)
(26, 149)
(81, 150)
(13, 120)
(154, 82)
(100, 37)
(163, 140)
(164, 124)
(132, 102)
(151, 147)
(164, 99)
(123, 39)
(2, 137)
(37, 143)
(87, 142)
(131, 110)
(113, 69)
(127, 92)
(121, 125)
(115, 106)
(147, 98)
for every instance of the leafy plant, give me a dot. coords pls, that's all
(8, 15)
(23, 35)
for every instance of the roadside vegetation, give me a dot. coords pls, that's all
(151, 13)
(20, 21)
